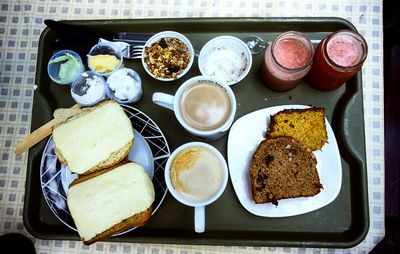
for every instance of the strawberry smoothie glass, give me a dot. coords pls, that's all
(337, 58)
(286, 61)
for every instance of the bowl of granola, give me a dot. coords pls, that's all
(167, 56)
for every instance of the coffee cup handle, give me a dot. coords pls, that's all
(164, 100)
(199, 219)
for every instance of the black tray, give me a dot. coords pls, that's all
(341, 224)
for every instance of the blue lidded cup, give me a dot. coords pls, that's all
(64, 67)
(124, 86)
(104, 58)
(88, 89)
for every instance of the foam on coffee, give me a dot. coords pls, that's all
(205, 105)
(196, 173)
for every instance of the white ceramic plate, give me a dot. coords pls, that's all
(245, 135)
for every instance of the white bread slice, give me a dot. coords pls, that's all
(110, 201)
(96, 138)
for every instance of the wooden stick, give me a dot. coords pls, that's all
(38, 135)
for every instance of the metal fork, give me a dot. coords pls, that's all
(133, 52)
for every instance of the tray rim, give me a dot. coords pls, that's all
(202, 241)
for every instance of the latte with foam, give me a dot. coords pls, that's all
(196, 173)
(205, 106)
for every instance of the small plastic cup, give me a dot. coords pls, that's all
(124, 86)
(64, 67)
(88, 89)
(107, 51)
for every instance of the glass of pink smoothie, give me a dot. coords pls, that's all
(286, 61)
(337, 58)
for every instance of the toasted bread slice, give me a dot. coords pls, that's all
(110, 201)
(96, 138)
(283, 168)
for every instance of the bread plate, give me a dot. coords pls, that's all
(150, 150)
(245, 135)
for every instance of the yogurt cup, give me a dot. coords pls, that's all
(88, 89)
(124, 86)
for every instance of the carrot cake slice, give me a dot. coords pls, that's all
(305, 125)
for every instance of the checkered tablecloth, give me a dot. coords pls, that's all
(21, 22)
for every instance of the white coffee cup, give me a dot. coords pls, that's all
(217, 118)
(195, 192)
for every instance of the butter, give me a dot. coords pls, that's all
(103, 63)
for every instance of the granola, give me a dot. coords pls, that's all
(167, 58)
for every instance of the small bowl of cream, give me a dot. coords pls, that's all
(226, 58)
(124, 86)
(88, 89)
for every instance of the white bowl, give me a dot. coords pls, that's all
(169, 34)
(226, 58)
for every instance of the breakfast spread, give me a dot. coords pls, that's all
(110, 201)
(167, 57)
(283, 168)
(110, 196)
(97, 138)
(305, 125)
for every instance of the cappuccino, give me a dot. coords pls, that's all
(196, 173)
(205, 106)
